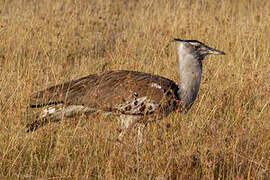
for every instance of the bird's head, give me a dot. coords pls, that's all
(195, 48)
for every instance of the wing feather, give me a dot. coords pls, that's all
(111, 90)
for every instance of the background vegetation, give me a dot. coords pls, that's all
(226, 134)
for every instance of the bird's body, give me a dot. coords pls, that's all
(112, 92)
(134, 96)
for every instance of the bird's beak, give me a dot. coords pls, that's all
(215, 51)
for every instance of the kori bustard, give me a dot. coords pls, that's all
(136, 97)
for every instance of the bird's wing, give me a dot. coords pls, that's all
(63, 92)
(128, 92)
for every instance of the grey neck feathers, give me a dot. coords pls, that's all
(190, 70)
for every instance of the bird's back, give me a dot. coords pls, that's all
(113, 91)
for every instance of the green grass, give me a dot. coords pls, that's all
(225, 135)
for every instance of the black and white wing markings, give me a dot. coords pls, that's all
(58, 111)
(155, 85)
(137, 106)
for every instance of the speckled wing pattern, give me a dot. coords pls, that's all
(124, 92)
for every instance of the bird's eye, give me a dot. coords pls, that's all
(197, 46)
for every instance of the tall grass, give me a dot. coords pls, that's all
(226, 134)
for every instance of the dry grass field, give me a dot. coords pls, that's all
(225, 135)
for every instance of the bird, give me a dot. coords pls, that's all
(134, 97)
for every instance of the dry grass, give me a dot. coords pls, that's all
(226, 134)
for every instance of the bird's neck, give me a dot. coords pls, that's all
(190, 71)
